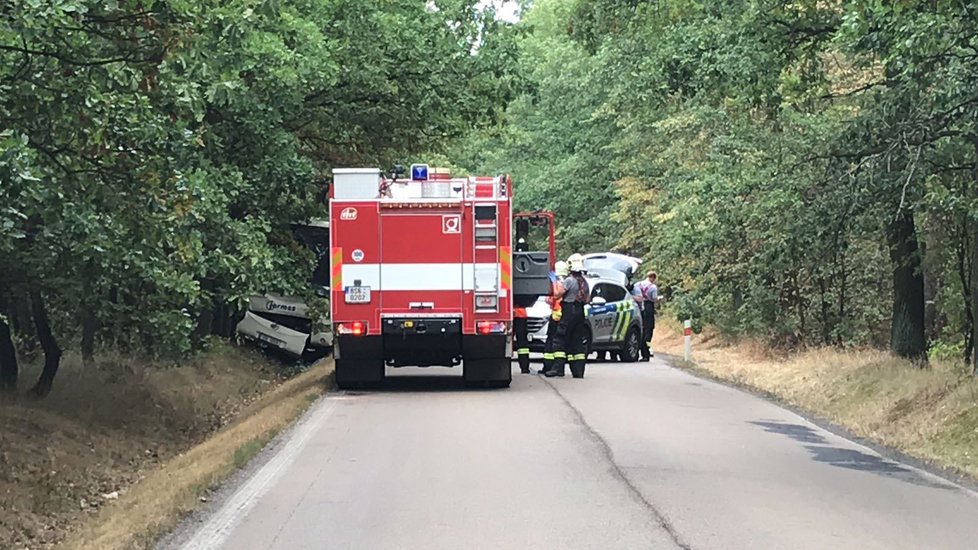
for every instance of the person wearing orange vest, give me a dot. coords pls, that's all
(556, 291)
(522, 338)
(569, 345)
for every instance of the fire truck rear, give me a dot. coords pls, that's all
(421, 271)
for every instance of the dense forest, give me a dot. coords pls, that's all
(154, 153)
(804, 172)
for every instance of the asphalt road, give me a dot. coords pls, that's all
(633, 456)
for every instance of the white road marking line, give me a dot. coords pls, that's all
(215, 531)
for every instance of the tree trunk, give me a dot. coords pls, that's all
(8, 358)
(89, 321)
(23, 325)
(737, 297)
(824, 303)
(225, 325)
(932, 281)
(802, 310)
(965, 269)
(843, 282)
(112, 327)
(8, 352)
(974, 295)
(52, 352)
(205, 319)
(89, 327)
(907, 330)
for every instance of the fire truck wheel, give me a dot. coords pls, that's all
(487, 373)
(487, 383)
(358, 374)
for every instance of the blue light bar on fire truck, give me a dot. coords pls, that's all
(419, 172)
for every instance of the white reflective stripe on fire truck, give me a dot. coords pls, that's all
(367, 274)
(418, 276)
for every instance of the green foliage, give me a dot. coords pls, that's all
(154, 154)
(756, 154)
(248, 450)
(552, 137)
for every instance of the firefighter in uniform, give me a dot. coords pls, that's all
(520, 329)
(556, 293)
(522, 339)
(569, 339)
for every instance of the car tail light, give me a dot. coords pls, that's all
(491, 327)
(356, 328)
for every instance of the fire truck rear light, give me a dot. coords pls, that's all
(491, 327)
(356, 328)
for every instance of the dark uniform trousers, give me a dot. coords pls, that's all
(648, 325)
(522, 343)
(569, 340)
(548, 347)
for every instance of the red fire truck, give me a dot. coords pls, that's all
(422, 274)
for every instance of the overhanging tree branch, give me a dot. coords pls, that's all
(76, 62)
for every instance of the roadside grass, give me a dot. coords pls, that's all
(159, 500)
(249, 449)
(103, 426)
(930, 414)
(66, 460)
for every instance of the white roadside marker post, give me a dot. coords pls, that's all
(688, 339)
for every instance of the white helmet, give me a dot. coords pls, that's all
(560, 268)
(576, 262)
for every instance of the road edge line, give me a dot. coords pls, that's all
(218, 527)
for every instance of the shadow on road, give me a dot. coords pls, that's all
(850, 459)
(800, 433)
(421, 383)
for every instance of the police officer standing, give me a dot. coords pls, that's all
(646, 293)
(569, 338)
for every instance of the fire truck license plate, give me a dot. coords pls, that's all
(357, 294)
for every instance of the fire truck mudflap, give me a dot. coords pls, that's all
(421, 275)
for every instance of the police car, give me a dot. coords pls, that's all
(613, 318)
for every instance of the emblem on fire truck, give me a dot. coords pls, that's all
(357, 255)
(451, 224)
(348, 214)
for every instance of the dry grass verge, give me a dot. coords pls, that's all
(72, 460)
(155, 504)
(930, 414)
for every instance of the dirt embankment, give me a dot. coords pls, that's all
(80, 460)
(930, 414)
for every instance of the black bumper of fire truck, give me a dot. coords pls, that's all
(361, 360)
(422, 342)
